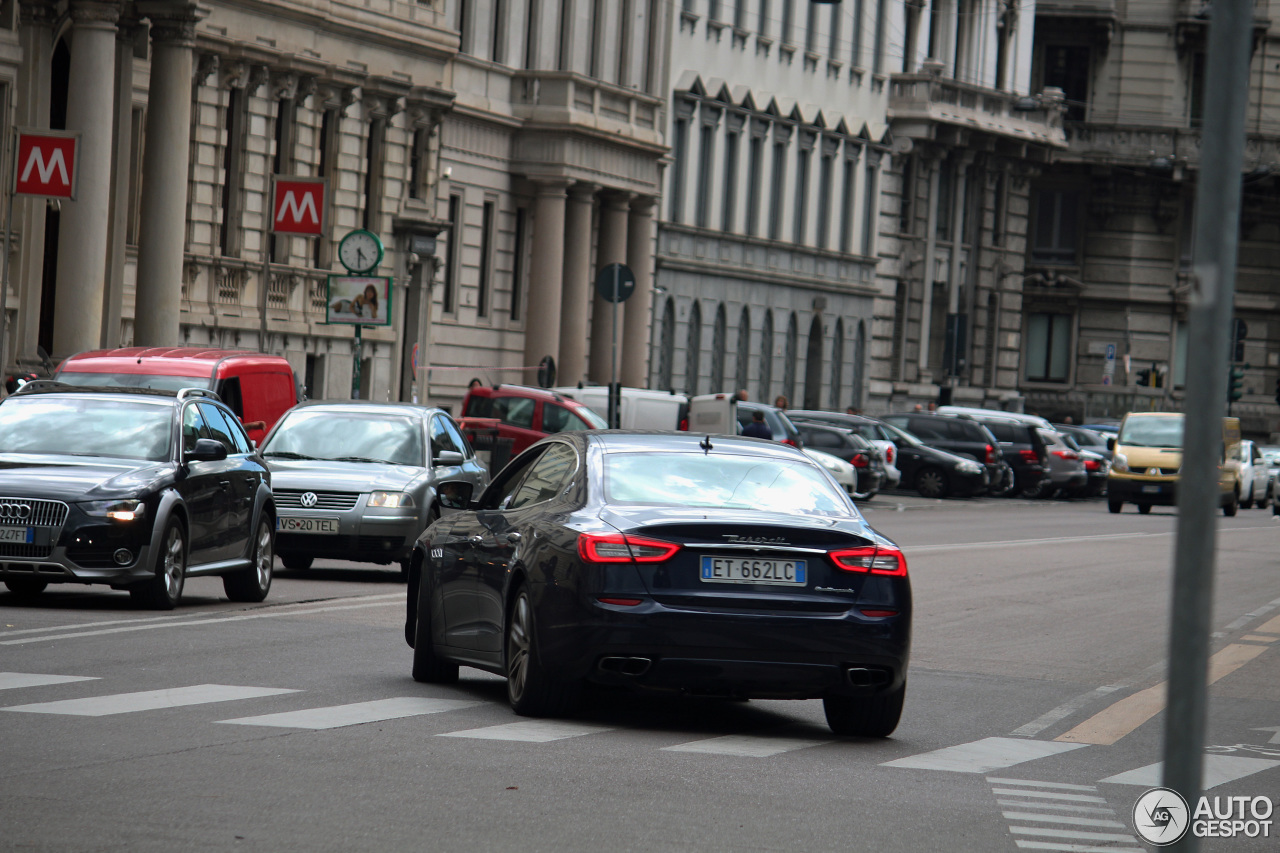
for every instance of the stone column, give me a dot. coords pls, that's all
(634, 360)
(162, 235)
(613, 250)
(82, 237)
(546, 272)
(128, 30)
(572, 364)
(31, 109)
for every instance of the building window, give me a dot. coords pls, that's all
(729, 197)
(679, 154)
(693, 349)
(1048, 347)
(766, 355)
(417, 162)
(789, 354)
(518, 262)
(811, 29)
(1067, 67)
(946, 200)
(564, 60)
(229, 238)
(498, 39)
(848, 191)
(877, 56)
(788, 14)
(744, 349)
(1195, 98)
(1001, 204)
(327, 144)
(453, 255)
(779, 182)
(595, 48)
(667, 347)
(625, 46)
(802, 192)
(870, 196)
(1056, 229)
(859, 361)
(375, 154)
(826, 174)
(834, 41)
(906, 205)
(706, 164)
(138, 123)
(282, 164)
(718, 334)
(532, 20)
(755, 175)
(837, 365)
(488, 216)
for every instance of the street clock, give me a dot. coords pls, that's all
(360, 251)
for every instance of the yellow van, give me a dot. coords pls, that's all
(1148, 457)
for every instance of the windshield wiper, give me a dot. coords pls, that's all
(287, 454)
(358, 459)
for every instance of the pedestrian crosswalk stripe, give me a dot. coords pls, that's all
(1218, 770)
(1025, 844)
(1048, 795)
(750, 746)
(1030, 784)
(355, 714)
(983, 756)
(124, 703)
(1060, 807)
(1071, 834)
(1068, 819)
(11, 680)
(531, 731)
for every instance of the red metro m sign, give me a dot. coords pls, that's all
(297, 206)
(46, 164)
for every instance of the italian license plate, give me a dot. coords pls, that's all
(17, 534)
(1151, 490)
(293, 524)
(754, 570)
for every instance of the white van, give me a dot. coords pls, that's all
(640, 408)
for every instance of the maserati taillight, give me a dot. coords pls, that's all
(869, 558)
(621, 548)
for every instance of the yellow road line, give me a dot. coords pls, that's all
(1272, 627)
(1112, 723)
(1254, 638)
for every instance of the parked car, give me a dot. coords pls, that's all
(1096, 467)
(1087, 439)
(961, 436)
(776, 419)
(1271, 455)
(638, 408)
(524, 414)
(850, 447)
(842, 472)
(258, 387)
(1065, 472)
(1255, 476)
(359, 480)
(935, 473)
(711, 565)
(869, 429)
(136, 488)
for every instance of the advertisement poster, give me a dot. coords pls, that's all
(359, 300)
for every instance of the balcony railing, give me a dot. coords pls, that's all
(557, 95)
(927, 98)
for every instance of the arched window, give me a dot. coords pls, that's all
(789, 360)
(667, 347)
(718, 333)
(766, 357)
(744, 349)
(693, 349)
(859, 363)
(837, 366)
(813, 366)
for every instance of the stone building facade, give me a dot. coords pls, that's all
(1109, 260)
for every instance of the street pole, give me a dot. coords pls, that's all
(615, 395)
(1218, 190)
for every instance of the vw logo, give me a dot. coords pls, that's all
(308, 499)
(15, 511)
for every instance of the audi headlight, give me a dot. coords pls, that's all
(1119, 463)
(126, 510)
(390, 499)
(969, 468)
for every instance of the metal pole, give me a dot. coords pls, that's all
(355, 366)
(615, 413)
(1217, 219)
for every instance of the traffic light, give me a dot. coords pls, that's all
(1235, 383)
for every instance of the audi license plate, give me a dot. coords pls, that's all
(753, 570)
(293, 524)
(17, 534)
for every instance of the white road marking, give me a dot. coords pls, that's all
(750, 746)
(1024, 844)
(531, 731)
(11, 680)
(355, 714)
(124, 703)
(1047, 795)
(1070, 819)
(1071, 834)
(1072, 540)
(260, 613)
(983, 756)
(995, 780)
(1218, 770)
(1062, 807)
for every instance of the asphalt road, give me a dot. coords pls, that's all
(1033, 715)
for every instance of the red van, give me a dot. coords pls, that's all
(258, 387)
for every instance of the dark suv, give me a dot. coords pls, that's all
(134, 488)
(1024, 450)
(957, 435)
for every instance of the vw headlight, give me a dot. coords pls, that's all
(119, 510)
(390, 499)
(1119, 463)
(969, 468)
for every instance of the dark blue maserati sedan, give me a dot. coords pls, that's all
(665, 562)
